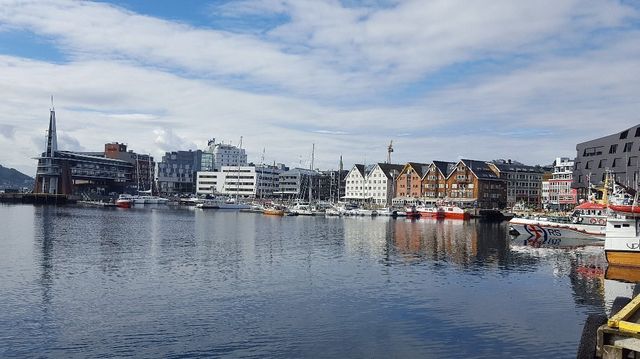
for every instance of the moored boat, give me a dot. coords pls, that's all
(454, 212)
(412, 212)
(622, 241)
(431, 212)
(588, 222)
(124, 201)
(222, 203)
(273, 211)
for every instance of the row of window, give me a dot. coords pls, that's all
(631, 162)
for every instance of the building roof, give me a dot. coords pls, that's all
(481, 169)
(518, 167)
(420, 168)
(360, 168)
(445, 167)
(388, 168)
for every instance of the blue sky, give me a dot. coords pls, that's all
(443, 79)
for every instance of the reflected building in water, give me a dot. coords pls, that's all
(460, 242)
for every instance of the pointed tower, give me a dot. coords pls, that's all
(52, 137)
(48, 172)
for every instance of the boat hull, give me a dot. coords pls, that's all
(273, 212)
(123, 204)
(542, 230)
(623, 258)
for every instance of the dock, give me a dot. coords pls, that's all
(616, 337)
(36, 198)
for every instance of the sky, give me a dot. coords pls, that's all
(442, 79)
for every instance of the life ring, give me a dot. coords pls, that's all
(593, 221)
(601, 222)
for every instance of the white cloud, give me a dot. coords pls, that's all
(340, 77)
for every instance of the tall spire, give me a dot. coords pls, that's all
(52, 137)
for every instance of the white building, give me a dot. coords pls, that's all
(561, 195)
(373, 184)
(244, 181)
(544, 196)
(220, 154)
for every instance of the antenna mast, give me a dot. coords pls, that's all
(389, 151)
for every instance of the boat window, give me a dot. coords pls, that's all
(616, 226)
(625, 225)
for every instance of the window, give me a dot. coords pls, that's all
(638, 132)
(602, 164)
(624, 134)
(632, 162)
(627, 147)
(589, 165)
(613, 148)
(616, 162)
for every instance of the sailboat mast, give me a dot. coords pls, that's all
(313, 150)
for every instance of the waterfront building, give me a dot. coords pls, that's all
(296, 183)
(409, 180)
(66, 172)
(561, 194)
(177, 171)
(244, 181)
(332, 185)
(524, 183)
(354, 183)
(144, 174)
(374, 184)
(617, 154)
(434, 183)
(220, 154)
(474, 183)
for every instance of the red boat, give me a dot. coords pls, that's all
(454, 212)
(431, 212)
(124, 201)
(412, 212)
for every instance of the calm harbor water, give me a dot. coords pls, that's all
(162, 282)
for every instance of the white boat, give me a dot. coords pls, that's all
(222, 203)
(366, 212)
(301, 209)
(147, 199)
(588, 221)
(333, 212)
(622, 241)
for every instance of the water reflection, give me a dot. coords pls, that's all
(464, 243)
(169, 282)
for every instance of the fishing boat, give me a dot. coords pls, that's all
(454, 212)
(622, 240)
(124, 201)
(431, 212)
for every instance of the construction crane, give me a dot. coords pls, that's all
(389, 150)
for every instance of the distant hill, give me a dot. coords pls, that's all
(12, 178)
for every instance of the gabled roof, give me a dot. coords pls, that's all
(388, 168)
(481, 169)
(358, 167)
(420, 168)
(445, 167)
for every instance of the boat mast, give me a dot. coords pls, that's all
(238, 173)
(313, 149)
